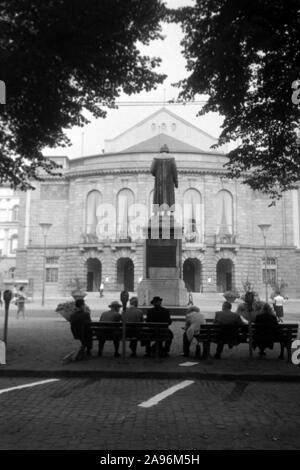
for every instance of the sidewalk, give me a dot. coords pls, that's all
(37, 346)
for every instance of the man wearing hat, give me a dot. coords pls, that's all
(133, 315)
(159, 314)
(111, 315)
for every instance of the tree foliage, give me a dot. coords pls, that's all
(59, 58)
(245, 55)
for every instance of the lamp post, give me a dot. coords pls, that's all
(264, 228)
(45, 229)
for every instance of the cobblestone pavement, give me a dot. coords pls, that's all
(104, 414)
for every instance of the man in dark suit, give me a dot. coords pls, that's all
(229, 331)
(159, 314)
(79, 321)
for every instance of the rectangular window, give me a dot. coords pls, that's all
(269, 275)
(51, 274)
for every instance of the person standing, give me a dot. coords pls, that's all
(278, 302)
(133, 315)
(20, 302)
(14, 293)
(101, 289)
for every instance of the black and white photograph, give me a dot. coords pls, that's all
(149, 229)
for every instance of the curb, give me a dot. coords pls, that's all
(115, 374)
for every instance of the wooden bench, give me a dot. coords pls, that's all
(234, 335)
(142, 331)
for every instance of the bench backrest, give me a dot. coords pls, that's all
(212, 332)
(142, 331)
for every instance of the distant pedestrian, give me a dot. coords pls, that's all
(190, 300)
(1, 303)
(20, 302)
(278, 302)
(14, 293)
(190, 295)
(101, 289)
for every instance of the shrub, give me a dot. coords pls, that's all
(66, 309)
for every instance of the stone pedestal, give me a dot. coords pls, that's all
(162, 264)
(172, 291)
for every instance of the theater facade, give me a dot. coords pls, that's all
(222, 245)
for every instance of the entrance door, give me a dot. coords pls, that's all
(125, 274)
(94, 274)
(90, 281)
(192, 274)
(224, 275)
(228, 281)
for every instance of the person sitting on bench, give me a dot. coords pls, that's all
(159, 314)
(267, 331)
(193, 320)
(79, 321)
(111, 315)
(229, 332)
(134, 315)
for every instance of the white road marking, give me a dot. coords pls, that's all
(161, 396)
(19, 387)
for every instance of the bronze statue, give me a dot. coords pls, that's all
(165, 172)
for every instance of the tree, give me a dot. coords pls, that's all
(59, 58)
(246, 56)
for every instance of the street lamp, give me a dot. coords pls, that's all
(264, 228)
(45, 229)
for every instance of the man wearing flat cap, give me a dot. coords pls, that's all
(159, 314)
(111, 315)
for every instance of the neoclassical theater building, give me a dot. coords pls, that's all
(222, 244)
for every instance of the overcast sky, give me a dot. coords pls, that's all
(89, 140)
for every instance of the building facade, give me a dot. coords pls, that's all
(222, 247)
(9, 221)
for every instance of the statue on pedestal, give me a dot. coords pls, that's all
(165, 172)
(163, 244)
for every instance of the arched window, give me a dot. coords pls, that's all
(15, 213)
(173, 127)
(93, 200)
(224, 213)
(125, 199)
(192, 215)
(14, 244)
(153, 127)
(164, 126)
